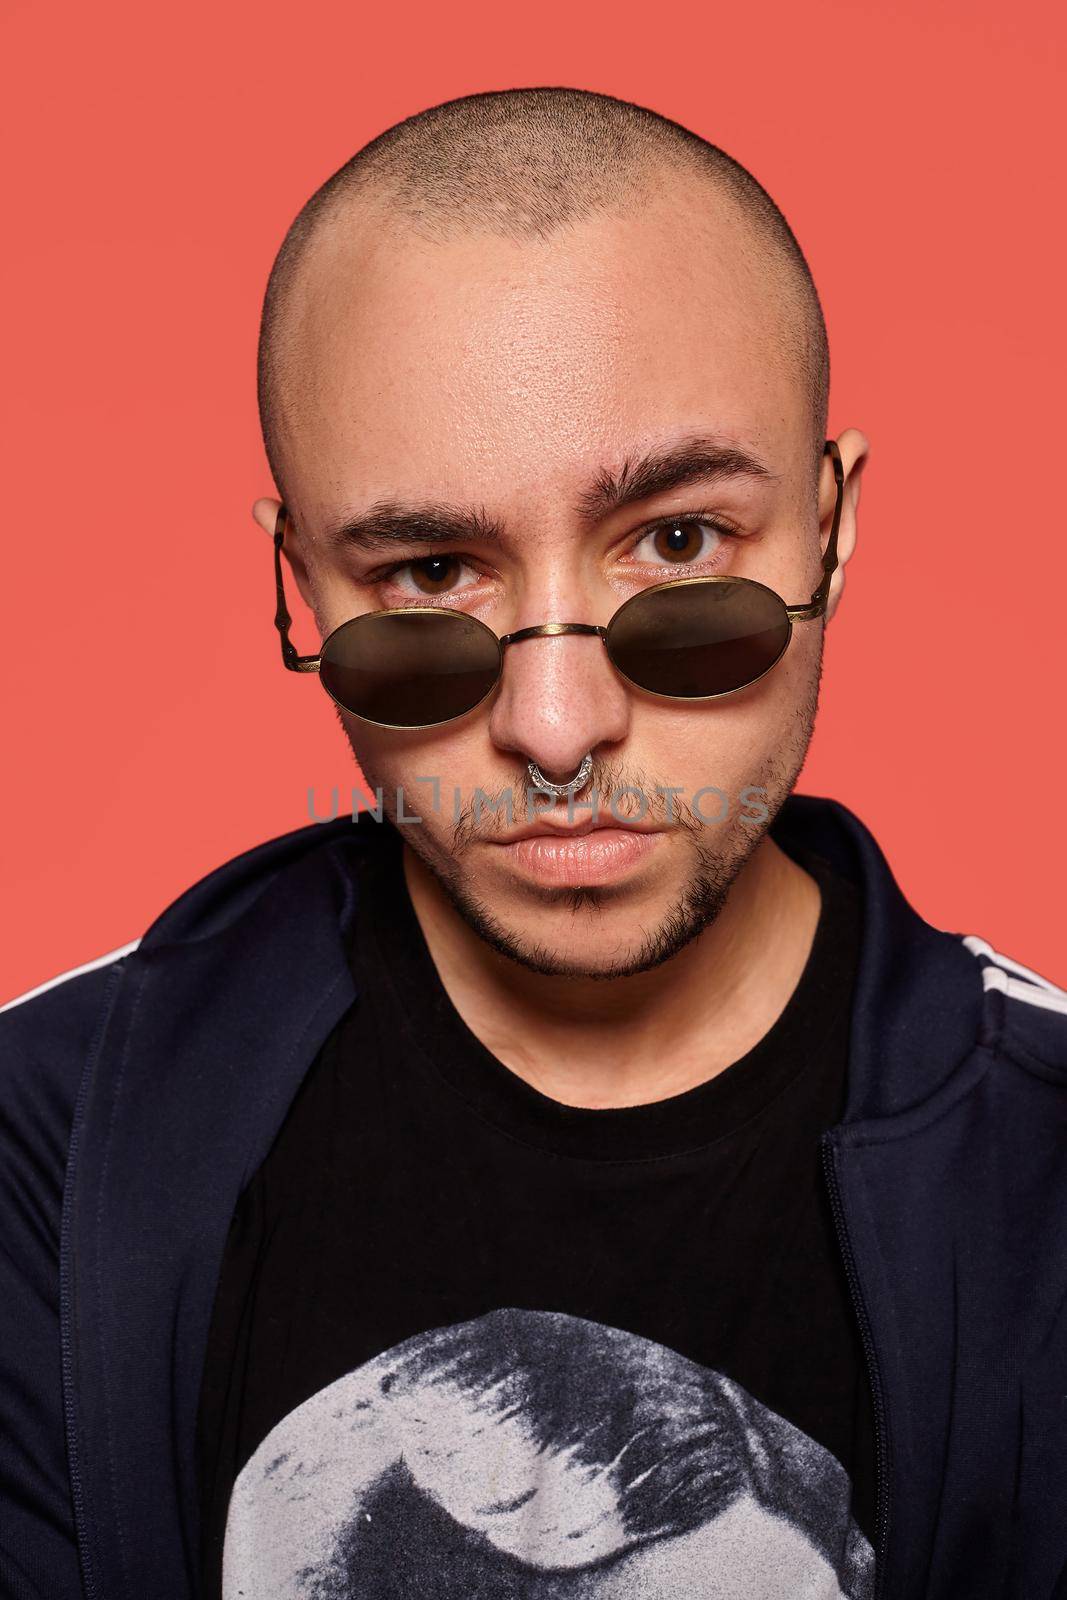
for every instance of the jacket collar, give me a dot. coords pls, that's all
(919, 1007)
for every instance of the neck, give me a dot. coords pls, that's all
(633, 1040)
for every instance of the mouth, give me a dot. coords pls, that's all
(586, 854)
(544, 828)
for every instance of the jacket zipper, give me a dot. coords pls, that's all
(880, 1437)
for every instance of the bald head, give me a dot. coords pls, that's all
(524, 165)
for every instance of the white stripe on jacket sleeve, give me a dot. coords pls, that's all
(73, 972)
(1015, 980)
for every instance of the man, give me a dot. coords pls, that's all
(594, 1178)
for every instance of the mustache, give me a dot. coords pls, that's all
(614, 789)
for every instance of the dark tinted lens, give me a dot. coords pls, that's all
(410, 668)
(700, 637)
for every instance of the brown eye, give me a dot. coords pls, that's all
(679, 541)
(435, 574)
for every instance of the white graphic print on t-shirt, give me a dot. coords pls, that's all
(535, 1454)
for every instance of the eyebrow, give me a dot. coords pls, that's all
(696, 460)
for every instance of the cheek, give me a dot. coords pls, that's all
(729, 742)
(799, 671)
(427, 763)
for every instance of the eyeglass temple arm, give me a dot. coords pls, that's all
(817, 604)
(282, 620)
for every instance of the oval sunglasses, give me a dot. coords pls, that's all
(685, 639)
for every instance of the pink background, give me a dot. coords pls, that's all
(154, 157)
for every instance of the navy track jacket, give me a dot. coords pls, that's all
(139, 1094)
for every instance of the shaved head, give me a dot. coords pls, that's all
(523, 165)
(515, 344)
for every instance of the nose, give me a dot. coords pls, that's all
(559, 699)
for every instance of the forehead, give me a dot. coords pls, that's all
(481, 360)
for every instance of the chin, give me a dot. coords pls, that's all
(593, 933)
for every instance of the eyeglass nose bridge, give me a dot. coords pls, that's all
(815, 607)
(551, 630)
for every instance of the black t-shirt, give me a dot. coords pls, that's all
(468, 1341)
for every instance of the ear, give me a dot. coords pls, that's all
(265, 512)
(855, 448)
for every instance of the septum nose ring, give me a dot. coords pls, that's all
(562, 790)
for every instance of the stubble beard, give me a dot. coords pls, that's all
(719, 852)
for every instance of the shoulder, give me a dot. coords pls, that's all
(51, 1025)
(47, 1034)
(46, 1037)
(1031, 1008)
(70, 997)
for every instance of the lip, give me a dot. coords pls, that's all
(578, 830)
(590, 856)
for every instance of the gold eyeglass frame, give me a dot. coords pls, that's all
(295, 662)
